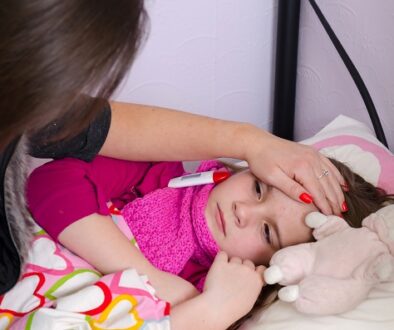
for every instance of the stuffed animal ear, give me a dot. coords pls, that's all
(315, 220)
(324, 225)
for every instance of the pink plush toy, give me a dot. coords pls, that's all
(335, 273)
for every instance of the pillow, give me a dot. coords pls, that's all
(353, 143)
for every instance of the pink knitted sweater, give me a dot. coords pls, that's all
(170, 228)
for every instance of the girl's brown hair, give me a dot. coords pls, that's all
(54, 51)
(362, 199)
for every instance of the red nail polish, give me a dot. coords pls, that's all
(344, 207)
(306, 198)
(345, 187)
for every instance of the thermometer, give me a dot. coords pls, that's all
(197, 179)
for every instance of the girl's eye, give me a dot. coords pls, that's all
(267, 233)
(258, 189)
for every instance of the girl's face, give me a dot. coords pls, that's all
(251, 220)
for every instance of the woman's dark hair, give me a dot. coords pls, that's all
(54, 51)
(362, 198)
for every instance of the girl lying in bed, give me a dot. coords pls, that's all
(179, 232)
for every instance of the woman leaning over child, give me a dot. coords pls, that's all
(181, 231)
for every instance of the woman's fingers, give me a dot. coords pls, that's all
(333, 170)
(305, 189)
(330, 193)
(325, 188)
(303, 174)
(298, 170)
(338, 200)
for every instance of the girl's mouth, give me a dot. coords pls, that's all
(220, 220)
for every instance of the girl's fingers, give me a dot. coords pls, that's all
(222, 256)
(236, 260)
(261, 269)
(249, 264)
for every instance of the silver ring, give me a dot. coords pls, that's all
(323, 173)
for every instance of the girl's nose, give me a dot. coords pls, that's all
(245, 214)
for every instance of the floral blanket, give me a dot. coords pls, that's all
(59, 290)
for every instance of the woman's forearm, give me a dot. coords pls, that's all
(150, 133)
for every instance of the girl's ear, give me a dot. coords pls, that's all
(242, 164)
(234, 167)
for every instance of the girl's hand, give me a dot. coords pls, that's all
(233, 286)
(296, 170)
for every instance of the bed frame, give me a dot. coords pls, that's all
(286, 68)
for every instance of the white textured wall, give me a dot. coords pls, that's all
(216, 57)
(324, 87)
(211, 57)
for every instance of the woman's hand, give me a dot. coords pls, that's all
(298, 170)
(233, 286)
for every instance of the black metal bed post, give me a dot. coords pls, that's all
(286, 68)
